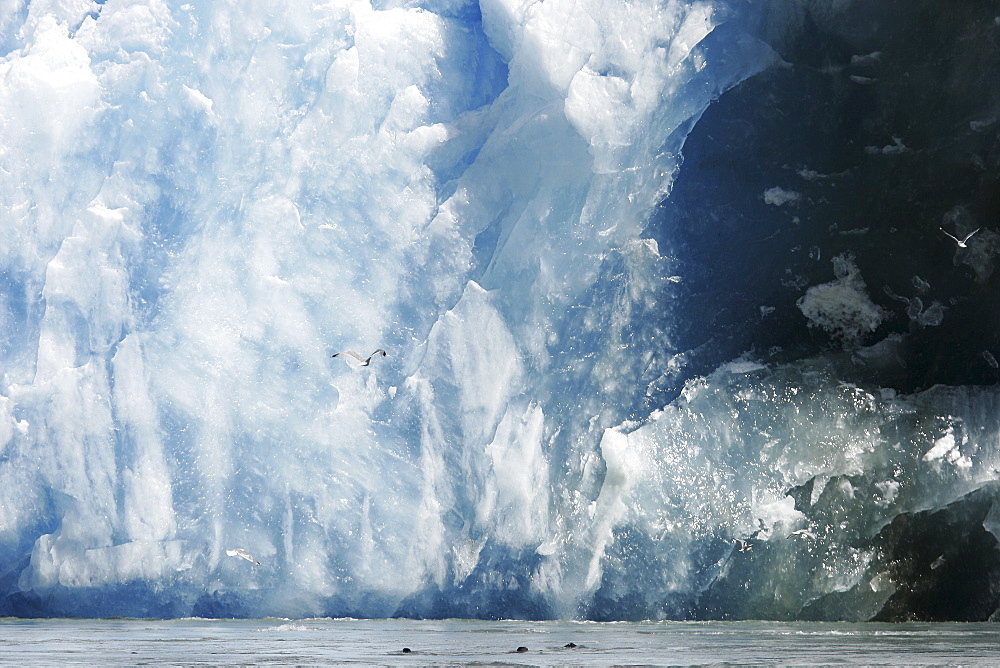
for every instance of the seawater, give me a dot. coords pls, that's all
(470, 642)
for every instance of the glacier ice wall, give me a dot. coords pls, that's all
(202, 201)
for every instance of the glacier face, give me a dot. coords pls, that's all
(607, 362)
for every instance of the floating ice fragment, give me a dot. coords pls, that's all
(743, 366)
(895, 148)
(813, 175)
(880, 582)
(932, 315)
(842, 307)
(980, 125)
(774, 511)
(944, 448)
(819, 485)
(866, 59)
(888, 490)
(466, 557)
(892, 294)
(778, 196)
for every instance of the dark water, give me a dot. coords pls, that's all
(463, 642)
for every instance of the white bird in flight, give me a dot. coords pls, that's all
(742, 544)
(365, 361)
(962, 243)
(240, 552)
(803, 533)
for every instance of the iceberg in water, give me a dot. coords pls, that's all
(609, 357)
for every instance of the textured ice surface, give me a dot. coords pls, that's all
(842, 307)
(200, 202)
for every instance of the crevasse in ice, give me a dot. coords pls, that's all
(653, 277)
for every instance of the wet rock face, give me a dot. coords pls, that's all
(947, 564)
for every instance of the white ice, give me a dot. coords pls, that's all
(200, 202)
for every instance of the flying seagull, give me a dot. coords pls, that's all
(240, 552)
(365, 361)
(962, 243)
(743, 545)
(802, 533)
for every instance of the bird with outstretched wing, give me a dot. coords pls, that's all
(365, 361)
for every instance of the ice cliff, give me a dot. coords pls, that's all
(653, 277)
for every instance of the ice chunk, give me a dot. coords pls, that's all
(888, 490)
(866, 59)
(947, 448)
(778, 196)
(933, 315)
(778, 512)
(623, 464)
(842, 307)
(897, 147)
(743, 366)
(982, 124)
(48, 96)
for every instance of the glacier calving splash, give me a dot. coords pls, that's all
(632, 285)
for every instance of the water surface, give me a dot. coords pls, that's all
(469, 642)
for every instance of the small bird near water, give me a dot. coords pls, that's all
(365, 361)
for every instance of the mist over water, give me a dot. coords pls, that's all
(653, 277)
